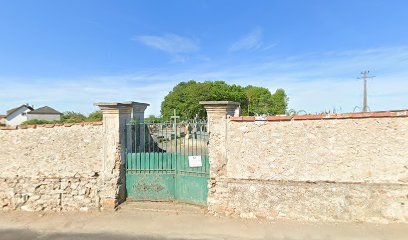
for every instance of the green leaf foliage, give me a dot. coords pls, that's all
(35, 121)
(185, 98)
(72, 117)
(262, 102)
(94, 117)
(279, 102)
(153, 119)
(259, 100)
(69, 117)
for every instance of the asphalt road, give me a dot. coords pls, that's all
(170, 221)
(31, 235)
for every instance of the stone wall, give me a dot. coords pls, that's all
(54, 167)
(311, 201)
(67, 166)
(349, 167)
(371, 150)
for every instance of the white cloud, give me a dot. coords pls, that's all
(170, 43)
(251, 40)
(81, 94)
(270, 46)
(322, 81)
(314, 82)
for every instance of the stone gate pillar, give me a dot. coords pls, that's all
(138, 110)
(217, 114)
(115, 117)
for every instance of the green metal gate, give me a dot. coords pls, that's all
(167, 161)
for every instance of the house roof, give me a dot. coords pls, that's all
(45, 110)
(11, 111)
(2, 116)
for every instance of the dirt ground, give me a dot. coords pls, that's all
(175, 221)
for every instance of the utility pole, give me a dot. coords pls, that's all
(365, 77)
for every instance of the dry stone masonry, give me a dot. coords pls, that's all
(342, 167)
(44, 193)
(66, 167)
(50, 167)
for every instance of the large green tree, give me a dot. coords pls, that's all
(259, 100)
(185, 98)
(279, 101)
(262, 102)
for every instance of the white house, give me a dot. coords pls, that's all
(2, 120)
(25, 112)
(17, 115)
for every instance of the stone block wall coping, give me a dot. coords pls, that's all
(51, 125)
(218, 103)
(115, 104)
(383, 114)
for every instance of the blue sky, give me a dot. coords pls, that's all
(70, 54)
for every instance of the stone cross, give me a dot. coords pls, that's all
(175, 117)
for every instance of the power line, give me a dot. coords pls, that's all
(365, 77)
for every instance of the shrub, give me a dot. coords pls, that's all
(153, 119)
(94, 117)
(35, 121)
(72, 117)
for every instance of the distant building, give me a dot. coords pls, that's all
(17, 115)
(2, 120)
(25, 112)
(44, 113)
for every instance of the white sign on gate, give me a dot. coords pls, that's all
(194, 161)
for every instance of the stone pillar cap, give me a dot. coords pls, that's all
(117, 104)
(219, 103)
(222, 108)
(137, 103)
(111, 104)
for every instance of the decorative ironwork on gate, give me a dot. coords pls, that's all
(167, 161)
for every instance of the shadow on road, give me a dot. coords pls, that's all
(32, 235)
